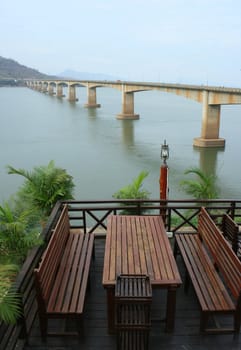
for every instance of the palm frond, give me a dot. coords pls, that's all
(10, 307)
(204, 187)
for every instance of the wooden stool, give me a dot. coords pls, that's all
(133, 297)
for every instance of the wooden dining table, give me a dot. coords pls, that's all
(139, 245)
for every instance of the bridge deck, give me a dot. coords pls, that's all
(186, 334)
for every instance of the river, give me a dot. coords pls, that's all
(104, 154)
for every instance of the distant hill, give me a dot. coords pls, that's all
(71, 74)
(10, 69)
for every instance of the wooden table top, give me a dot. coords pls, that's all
(139, 245)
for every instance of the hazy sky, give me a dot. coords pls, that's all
(183, 41)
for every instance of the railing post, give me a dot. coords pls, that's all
(84, 221)
(169, 218)
(232, 213)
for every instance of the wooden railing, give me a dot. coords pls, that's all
(178, 215)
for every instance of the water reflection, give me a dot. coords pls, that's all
(208, 159)
(127, 132)
(72, 104)
(91, 113)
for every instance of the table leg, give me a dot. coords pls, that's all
(171, 309)
(111, 309)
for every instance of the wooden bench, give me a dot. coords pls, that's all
(62, 276)
(230, 231)
(215, 272)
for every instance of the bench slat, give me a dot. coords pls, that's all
(86, 270)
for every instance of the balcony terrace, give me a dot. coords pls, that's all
(91, 216)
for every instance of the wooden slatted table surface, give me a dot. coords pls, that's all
(139, 245)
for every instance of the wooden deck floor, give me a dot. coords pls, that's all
(185, 337)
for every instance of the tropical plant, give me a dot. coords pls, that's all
(203, 187)
(133, 191)
(44, 186)
(10, 308)
(17, 236)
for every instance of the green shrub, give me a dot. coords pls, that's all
(133, 191)
(17, 236)
(44, 186)
(202, 187)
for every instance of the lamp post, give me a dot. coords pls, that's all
(164, 177)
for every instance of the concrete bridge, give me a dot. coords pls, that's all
(211, 98)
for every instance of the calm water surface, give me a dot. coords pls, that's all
(104, 154)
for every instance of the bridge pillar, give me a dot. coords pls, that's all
(39, 86)
(59, 90)
(91, 96)
(50, 89)
(44, 87)
(127, 106)
(210, 125)
(72, 94)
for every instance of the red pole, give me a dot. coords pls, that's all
(163, 188)
(164, 181)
